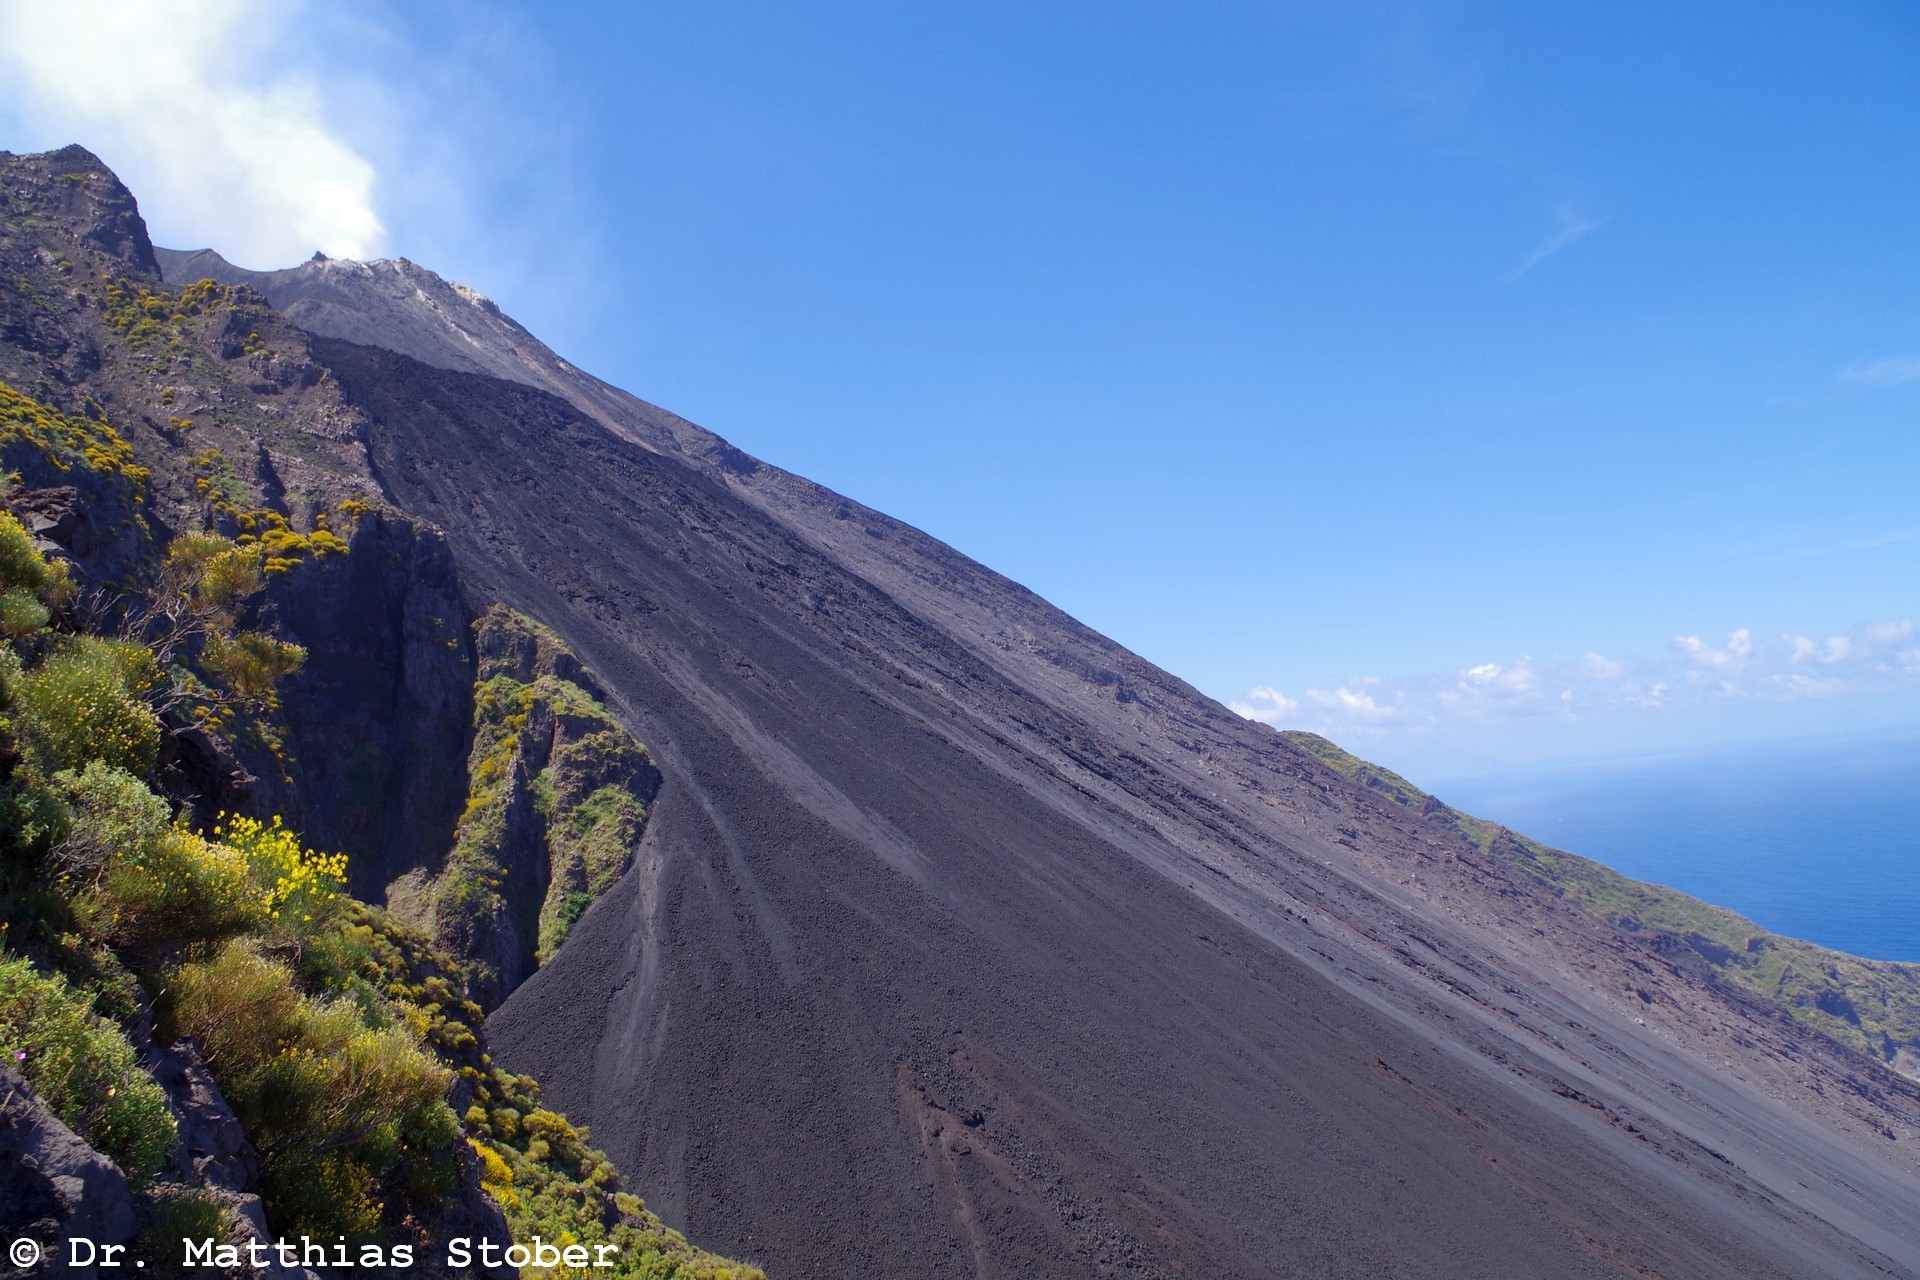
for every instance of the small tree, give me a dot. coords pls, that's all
(192, 617)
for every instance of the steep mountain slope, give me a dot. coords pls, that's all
(962, 942)
(181, 493)
(1025, 999)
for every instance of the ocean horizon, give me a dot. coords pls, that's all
(1814, 840)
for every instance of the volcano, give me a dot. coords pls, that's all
(963, 942)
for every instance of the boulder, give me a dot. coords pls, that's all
(54, 1188)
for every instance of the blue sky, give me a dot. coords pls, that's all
(1475, 382)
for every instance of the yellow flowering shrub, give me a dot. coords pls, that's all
(21, 614)
(332, 1098)
(495, 1175)
(298, 888)
(23, 568)
(85, 703)
(180, 887)
(29, 429)
(143, 878)
(262, 529)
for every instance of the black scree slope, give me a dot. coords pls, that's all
(963, 943)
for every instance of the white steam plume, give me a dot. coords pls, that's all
(190, 102)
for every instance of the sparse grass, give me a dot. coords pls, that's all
(1870, 1005)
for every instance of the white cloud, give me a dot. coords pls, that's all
(1356, 705)
(1871, 656)
(1653, 695)
(1887, 371)
(1573, 227)
(1518, 677)
(1729, 657)
(1267, 705)
(1888, 633)
(1602, 668)
(192, 104)
(1806, 649)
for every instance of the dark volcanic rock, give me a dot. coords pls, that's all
(53, 1186)
(379, 715)
(213, 1149)
(963, 942)
(943, 958)
(91, 200)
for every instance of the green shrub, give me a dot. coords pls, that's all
(113, 815)
(32, 816)
(21, 564)
(331, 1101)
(247, 664)
(84, 704)
(138, 878)
(181, 888)
(174, 1214)
(84, 1068)
(190, 621)
(21, 614)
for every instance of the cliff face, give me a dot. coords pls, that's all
(959, 941)
(557, 796)
(132, 411)
(378, 716)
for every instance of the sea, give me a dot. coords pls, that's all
(1818, 840)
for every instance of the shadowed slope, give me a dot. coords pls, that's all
(964, 943)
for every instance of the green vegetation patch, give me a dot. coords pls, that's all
(83, 1067)
(150, 317)
(543, 740)
(1870, 1005)
(47, 446)
(338, 1097)
(88, 703)
(279, 542)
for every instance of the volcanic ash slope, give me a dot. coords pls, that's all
(963, 942)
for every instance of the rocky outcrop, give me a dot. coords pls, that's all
(54, 1187)
(558, 796)
(91, 200)
(378, 717)
(213, 1149)
(79, 494)
(467, 1211)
